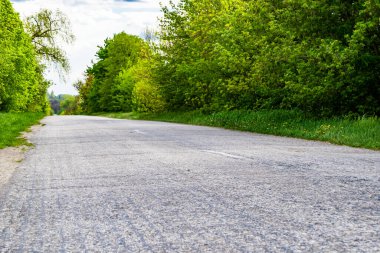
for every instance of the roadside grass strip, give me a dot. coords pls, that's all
(363, 132)
(12, 124)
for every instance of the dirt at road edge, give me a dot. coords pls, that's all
(10, 158)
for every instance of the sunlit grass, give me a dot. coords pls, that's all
(12, 124)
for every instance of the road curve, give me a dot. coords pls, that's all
(95, 184)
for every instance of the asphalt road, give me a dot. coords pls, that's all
(94, 184)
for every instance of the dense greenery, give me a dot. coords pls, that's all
(318, 56)
(11, 124)
(64, 104)
(360, 132)
(22, 86)
(321, 57)
(25, 50)
(121, 79)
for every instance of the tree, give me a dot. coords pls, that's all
(84, 88)
(22, 86)
(109, 91)
(54, 103)
(68, 104)
(145, 94)
(318, 56)
(47, 30)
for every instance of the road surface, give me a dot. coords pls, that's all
(94, 184)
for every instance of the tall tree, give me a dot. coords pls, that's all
(48, 29)
(22, 86)
(84, 88)
(318, 56)
(119, 53)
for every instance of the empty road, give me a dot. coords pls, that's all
(95, 184)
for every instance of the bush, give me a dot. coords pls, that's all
(146, 98)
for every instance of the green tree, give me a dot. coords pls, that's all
(84, 88)
(47, 30)
(22, 86)
(54, 103)
(111, 88)
(146, 95)
(318, 56)
(68, 104)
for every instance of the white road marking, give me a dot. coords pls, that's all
(224, 154)
(138, 132)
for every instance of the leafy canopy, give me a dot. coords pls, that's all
(22, 86)
(48, 29)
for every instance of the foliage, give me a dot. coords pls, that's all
(68, 104)
(318, 56)
(146, 95)
(361, 132)
(121, 79)
(64, 104)
(108, 92)
(321, 57)
(47, 30)
(84, 88)
(22, 86)
(54, 103)
(12, 124)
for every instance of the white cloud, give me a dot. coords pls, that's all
(92, 22)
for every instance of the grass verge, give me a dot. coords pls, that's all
(12, 124)
(363, 132)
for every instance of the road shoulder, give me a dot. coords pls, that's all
(11, 157)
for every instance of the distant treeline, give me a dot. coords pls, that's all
(63, 104)
(322, 57)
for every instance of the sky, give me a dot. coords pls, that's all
(92, 22)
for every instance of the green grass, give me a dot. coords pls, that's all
(362, 132)
(12, 124)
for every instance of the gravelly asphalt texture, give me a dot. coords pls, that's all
(101, 185)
